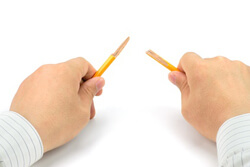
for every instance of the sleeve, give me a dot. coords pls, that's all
(20, 143)
(233, 142)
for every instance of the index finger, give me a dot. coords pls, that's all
(82, 68)
(189, 62)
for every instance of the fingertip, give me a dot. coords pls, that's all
(172, 77)
(100, 83)
(99, 93)
(189, 61)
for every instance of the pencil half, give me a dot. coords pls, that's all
(162, 61)
(111, 58)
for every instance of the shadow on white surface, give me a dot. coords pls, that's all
(187, 135)
(167, 126)
(82, 144)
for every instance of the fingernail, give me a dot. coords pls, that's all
(172, 78)
(99, 84)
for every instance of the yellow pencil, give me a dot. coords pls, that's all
(162, 61)
(111, 58)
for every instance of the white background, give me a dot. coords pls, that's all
(138, 121)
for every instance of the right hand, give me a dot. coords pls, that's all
(213, 91)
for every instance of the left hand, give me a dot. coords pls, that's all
(55, 103)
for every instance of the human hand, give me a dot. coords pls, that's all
(55, 103)
(213, 91)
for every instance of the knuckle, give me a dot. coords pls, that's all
(62, 67)
(189, 54)
(88, 91)
(221, 58)
(79, 65)
(44, 68)
(190, 57)
(81, 59)
(184, 87)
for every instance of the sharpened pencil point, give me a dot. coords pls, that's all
(111, 58)
(121, 47)
(161, 60)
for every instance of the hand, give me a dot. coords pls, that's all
(55, 103)
(213, 91)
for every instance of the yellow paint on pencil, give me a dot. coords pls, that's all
(111, 58)
(162, 61)
(105, 65)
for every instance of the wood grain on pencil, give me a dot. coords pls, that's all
(161, 61)
(111, 58)
(121, 47)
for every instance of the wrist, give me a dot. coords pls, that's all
(36, 125)
(42, 128)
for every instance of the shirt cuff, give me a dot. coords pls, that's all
(233, 137)
(20, 143)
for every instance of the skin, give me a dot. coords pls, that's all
(213, 91)
(55, 103)
(59, 107)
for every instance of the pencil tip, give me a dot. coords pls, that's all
(149, 52)
(122, 46)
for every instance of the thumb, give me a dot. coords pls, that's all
(179, 79)
(90, 88)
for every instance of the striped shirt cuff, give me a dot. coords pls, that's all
(20, 144)
(233, 137)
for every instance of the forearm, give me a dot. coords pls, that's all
(233, 142)
(20, 144)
